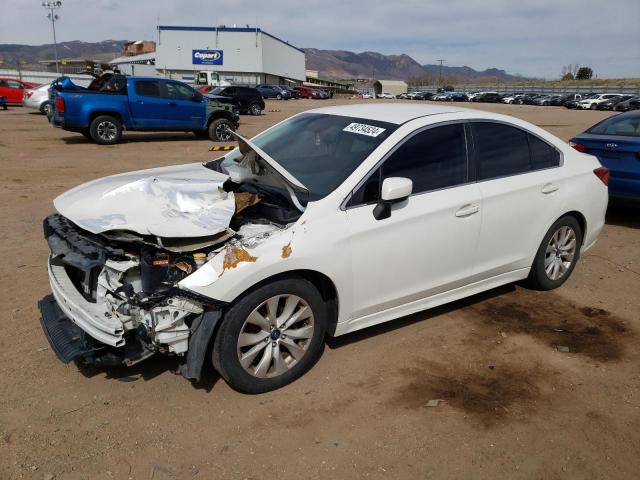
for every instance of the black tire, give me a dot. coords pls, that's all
(538, 277)
(218, 130)
(279, 97)
(225, 346)
(593, 106)
(201, 133)
(254, 109)
(45, 108)
(106, 130)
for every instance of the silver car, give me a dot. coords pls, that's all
(38, 98)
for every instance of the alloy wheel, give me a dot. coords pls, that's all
(560, 253)
(223, 133)
(107, 130)
(275, 336)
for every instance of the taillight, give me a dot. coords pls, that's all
(603, 174)
(27, 94)
(578, 146)
(60, 104)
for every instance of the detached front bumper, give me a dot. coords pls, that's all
(90, 317)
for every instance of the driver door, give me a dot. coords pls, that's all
(183, 111)
(427, 245)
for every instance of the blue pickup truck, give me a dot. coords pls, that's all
(113, 103)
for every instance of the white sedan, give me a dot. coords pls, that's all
(333, 220)
(386, 95)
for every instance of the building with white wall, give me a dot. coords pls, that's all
(241, 56)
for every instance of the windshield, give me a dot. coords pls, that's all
(626, 125)
(217, 91)
(321, 150)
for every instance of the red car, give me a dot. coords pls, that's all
(13, 89)
(306, 92)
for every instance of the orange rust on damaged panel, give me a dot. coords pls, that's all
(245, 200)
(286, 250)
(235, 255)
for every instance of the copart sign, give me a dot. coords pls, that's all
(207, 57)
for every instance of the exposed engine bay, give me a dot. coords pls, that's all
(127, 269)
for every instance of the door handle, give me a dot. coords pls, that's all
(549, 188)
(468, 210)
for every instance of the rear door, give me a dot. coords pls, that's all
(147, 106)
(522, 189)
(184, 110)
(428, 244)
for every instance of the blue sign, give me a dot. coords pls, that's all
(207, 57)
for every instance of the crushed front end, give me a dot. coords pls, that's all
(115, 300)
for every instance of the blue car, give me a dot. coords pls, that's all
(3, 103)
(616, 143)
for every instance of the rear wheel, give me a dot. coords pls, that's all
(557, 256)
(45, 108)
(255, 109)
(271, 336)
(220, 130)
(106, 130)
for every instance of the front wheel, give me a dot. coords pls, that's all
(220, 130)
(593, 106)
(279, 97)
(271, 336)
(557, 256)
(106, 130)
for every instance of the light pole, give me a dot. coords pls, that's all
(52, 7)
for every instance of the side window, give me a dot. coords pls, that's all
(14, 84)
(501, 150)
(432, 159)
(543, 155)
(177, 91)
(147, 88)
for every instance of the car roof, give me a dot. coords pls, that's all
(394, 113)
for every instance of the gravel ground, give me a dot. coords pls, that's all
(510, 404)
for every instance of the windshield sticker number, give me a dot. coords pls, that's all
(363, 129)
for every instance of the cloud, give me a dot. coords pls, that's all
(535, 38)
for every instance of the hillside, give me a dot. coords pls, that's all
(337, 64)
(30, 55)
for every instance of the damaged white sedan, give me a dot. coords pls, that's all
(331, 221)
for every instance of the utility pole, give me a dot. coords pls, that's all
(52, 7)
(441, 60)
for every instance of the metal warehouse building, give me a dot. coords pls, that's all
(241, 56)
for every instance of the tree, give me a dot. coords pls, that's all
(584, 73)
(567, 76)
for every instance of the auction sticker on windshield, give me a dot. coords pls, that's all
(363, 129)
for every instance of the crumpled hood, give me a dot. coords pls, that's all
(179, 201)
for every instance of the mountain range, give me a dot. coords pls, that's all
(334, 64)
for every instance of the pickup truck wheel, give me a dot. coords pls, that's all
(106, 130)
(255, 109)
(219, 130)
(271, 336)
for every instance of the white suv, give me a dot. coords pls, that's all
(333, 220)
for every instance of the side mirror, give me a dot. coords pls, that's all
(394, 190)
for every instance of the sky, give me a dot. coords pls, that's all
(532, 38)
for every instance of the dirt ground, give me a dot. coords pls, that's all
(511, 404)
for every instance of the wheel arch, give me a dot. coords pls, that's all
(580, 218)
(97, 113)
(322, 282)
(226, 114)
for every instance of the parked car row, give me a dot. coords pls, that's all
(589, 101)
